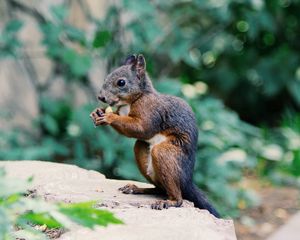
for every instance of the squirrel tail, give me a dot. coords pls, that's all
(194, 194)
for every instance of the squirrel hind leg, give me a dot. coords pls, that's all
(141, 152)
(166, 168)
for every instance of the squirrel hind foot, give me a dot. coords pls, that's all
(129, 189)
(165, 204)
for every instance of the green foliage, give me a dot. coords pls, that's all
(9, 42)
(20, 214)
(282, 163)
(101, 38)
(85, 215)
(74, 57)
(236, 47)
(226, 146)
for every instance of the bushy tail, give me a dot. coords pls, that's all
(194, 195)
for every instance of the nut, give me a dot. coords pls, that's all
(108, 110)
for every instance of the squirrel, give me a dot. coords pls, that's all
(165, 129)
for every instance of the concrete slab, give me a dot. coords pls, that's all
(68, 183)
(289, 231)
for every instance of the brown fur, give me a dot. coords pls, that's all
(138, 124)
(165, 129)
(165, 163)
(141, 151)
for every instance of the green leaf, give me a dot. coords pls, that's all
(52, 33)
(296, 163)
(13, 25)
(179, 50)
(79, 64)
(75, 34)
(37, 152)
(169, 86)
(50, 124)
(294, 89)
(12, 198)
(80, 151)
(56, 146)
(18, 210)
(139, 7)
(85, 215)
(38, 218)
(60, 12)
(101, 39)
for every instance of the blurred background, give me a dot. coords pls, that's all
(236, 62)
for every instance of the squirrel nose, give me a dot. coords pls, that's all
(102, 99)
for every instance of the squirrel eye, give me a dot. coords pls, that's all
(121, 82)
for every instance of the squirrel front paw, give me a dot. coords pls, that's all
(102, 117)
(96, 115)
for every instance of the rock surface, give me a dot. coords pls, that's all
(69, 183)
(289, 231)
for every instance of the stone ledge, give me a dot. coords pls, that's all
(289, 231)
(69, 183)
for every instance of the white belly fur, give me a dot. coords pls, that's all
(157, 139)
(124, 110)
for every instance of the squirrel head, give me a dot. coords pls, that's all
(126, 83)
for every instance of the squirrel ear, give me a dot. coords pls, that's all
(140, 66)
(131, 60)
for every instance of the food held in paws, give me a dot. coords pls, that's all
(108, 110)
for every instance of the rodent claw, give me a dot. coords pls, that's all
(128, 189)
(98, 112)
(160, 205)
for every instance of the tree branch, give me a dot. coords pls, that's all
(32, 74)
(86, 10)
(30, 11)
